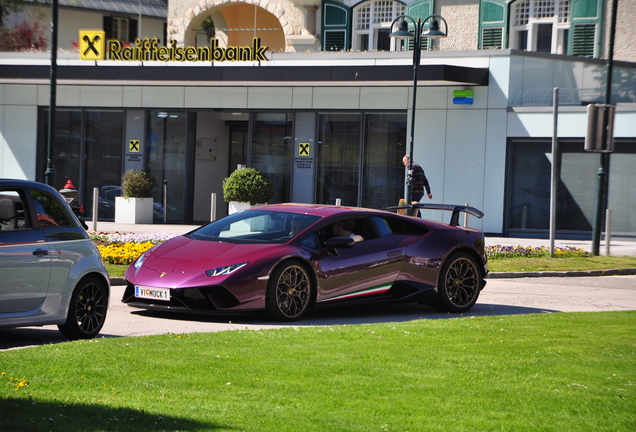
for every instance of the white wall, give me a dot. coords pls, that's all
(18, 131)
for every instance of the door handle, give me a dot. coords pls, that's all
(40, 252)
(395, 253)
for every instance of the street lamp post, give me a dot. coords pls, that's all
(421, 30)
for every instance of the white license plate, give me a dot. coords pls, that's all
(152, 293)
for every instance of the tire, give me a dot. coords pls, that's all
(459, 284)
(290, 292)
(87, 310)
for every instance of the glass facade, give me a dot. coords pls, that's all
(167, 153)
(360, 158)
(382, 168)
(338, 158)
(529, 174)
(272, 150)
(87, 151)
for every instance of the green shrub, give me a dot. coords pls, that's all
(137, 184)
(248, 185)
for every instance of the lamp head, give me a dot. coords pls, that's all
(433, 31)
(403, 30)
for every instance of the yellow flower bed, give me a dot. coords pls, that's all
(123, 253)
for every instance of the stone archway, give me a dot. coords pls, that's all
(183, 28)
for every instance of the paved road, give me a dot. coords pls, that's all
(501, 297)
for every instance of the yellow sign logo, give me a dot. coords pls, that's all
(134, 146)
(92, 44)
(303, 149)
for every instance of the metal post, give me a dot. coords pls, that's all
(466, 217)
(555, 169)
(213, 207)
(165, 201)
(95, 207)
(604, 168)
(608, 230)
(417, 48)
(49, 174)
(338, 202)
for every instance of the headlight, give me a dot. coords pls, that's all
(140, 261)
(221, 271)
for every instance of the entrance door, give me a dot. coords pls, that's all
(167, 162)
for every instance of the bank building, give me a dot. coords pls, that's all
(320, 96)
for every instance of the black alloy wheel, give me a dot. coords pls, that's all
(87, 310)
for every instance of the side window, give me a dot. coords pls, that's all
(382, 226)
(48, 210)
(311, 241)
(12, 211)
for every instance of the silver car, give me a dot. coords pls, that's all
(50, 270)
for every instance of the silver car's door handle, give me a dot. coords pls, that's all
(395, 253)
(40, 252)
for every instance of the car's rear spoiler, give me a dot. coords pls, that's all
(412, 210)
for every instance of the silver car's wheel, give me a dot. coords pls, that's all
(87, 310)
(289, 292)
(459, 284)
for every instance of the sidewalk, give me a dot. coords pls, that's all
(618, 246)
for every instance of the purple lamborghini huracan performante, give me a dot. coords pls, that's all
(287, 258)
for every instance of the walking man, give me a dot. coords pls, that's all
(418, 180)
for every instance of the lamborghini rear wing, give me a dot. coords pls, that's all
(412, 210)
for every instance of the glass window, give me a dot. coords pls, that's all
(272, 151)
(529, 174)
(254, 226)
(87, 151)
(48, 210)
(371, 24)
(13, 212)
(384, 147)
(104, 135)
(120, 29)
(539, 25)
(167, 161)
(67, 147)
(338, 158)
(382, 226)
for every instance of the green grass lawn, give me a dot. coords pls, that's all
(516, 264)
(547, 372)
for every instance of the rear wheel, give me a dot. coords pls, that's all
(289, 292)
(459, 284)
(87, 310)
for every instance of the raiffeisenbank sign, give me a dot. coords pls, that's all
(94, 46)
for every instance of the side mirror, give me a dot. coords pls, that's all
(335, 243)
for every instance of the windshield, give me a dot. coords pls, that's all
(255, 226)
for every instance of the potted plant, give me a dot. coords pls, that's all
(247, 187)
(135, 207)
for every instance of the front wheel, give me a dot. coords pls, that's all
(459, 284)
(87, 310)
(289, 292)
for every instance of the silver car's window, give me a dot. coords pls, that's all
(49, 211)
(12, 211)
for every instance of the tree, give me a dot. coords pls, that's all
(9, 6)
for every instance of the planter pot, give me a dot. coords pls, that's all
(133, 210)
(235, 206)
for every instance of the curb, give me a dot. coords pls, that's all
(117, 281)
(503, 275)
(610, 272)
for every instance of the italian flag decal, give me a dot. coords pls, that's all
(365, 292)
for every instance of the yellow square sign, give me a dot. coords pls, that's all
(92, 44)
(304, 149)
